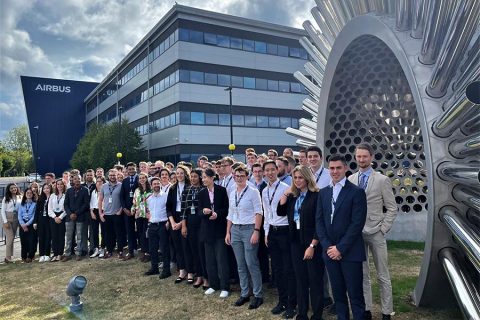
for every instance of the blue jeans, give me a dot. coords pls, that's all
(247, 260)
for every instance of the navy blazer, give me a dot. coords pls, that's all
(345, 231)
(125, 199)
(213, 229)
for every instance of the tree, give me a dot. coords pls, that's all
(16, 152)
(99, 146)
(18, 139)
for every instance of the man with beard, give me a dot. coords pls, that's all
(282, 165)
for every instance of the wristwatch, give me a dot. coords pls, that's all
(312, 245)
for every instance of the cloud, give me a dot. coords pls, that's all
(85, 40)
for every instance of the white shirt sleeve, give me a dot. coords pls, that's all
(51, 214)
(4, 215)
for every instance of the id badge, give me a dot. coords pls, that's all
(57, 209)
(192, 210)
(131, 194)
(44, 213)
(110, 200)
(298, 224)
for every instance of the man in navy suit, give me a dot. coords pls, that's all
(129, 184)
(341, 215)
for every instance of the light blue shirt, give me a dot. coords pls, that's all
(26, 213)
(335, 192)
(367, 177)
(298, 205)
(286, 179)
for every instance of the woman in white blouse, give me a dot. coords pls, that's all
(57, 213)
(9, 213)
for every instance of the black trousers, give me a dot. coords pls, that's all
(177, 244)
(216, 257)
(158, 237)
(194, 251)
(44, 237)
(142, 227)
(110, 237)
(131, 234)
(280, 252)
(263, 257)
(309, 275)
(58, 237)
(94, 229)
(120, 231)
(28, 241)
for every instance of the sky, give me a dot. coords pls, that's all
(85, 39)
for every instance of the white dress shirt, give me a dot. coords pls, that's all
(244, 205)
(180, 187)
(94, 199)
(157, 204)
(335, 192)
(271, 195)
(322, 177)
(10, 206)
(55, 204)
(229, 183)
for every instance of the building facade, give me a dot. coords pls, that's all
(171, 86)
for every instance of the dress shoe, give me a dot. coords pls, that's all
(256, 302)
(180, 279)
(127, 257)
(241, 301)
(367, 315)
(165, 275)
(386, 317)
(278, 309)
(7, 260)
(151, 272)
(78, 258)
(107, 255)
(28, 260)
(66, 258)
(289, 313)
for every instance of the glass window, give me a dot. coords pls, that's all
(161, 123)
(237, 82)
(272, 85)
(184, 117)
(210, 78)
(224, 119)
(295, 52)
(210, 38)
(303, 54)
(161, 86)
(211, 118)
(223, 41)
(248, 45)
(197, 117)
(196, 36)
(285, 122)
(175, 33)
(172, 79)
(196, 77)
(262, 121)
(260, 47)
(284, 86)
(172, 119)
(224, 80)
(184, 76)
(295, 87)
(177, 117)
(272, 48)
(167, 44)
(236, 43)
(273, 122)
(172, 39)
(294, 123)
(283, 51)
(261, 84)
(162, 48)
(249, 83)
(238, 120)
(184, 34)
(250, 121)
(167, 82)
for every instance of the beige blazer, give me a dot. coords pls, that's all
(379, 194)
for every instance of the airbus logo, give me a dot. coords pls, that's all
(53, 88)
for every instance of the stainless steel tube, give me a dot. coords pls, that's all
(301, 134)
(461, 148)
(463, 173)
(470, 69)
(471, 126)
(310, 106)
(330, 17)
(418, 18)
(313, 52)
(467, 196)
(403, 14)
(322, 25)
(309, 85)
(439, 13)
(465, 22)
(455, 112)
(311, 70)
(318, 39)
(467, 296)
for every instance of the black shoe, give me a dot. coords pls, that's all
(241, 301)
(367, 315)
(278, 309)
(151, 272)
(289, 313)
(165, 275)
(256, 302)
(386, 317)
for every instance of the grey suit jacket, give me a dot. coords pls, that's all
(379, 194)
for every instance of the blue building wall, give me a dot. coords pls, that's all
(56, 107)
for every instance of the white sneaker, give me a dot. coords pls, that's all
(42, 259)
(95, 253)
(101, 253)
(46, 259)
(209, 291)
(224, 294)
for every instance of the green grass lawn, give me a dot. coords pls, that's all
(118, 290)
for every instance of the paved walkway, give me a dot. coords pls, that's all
(16, 250)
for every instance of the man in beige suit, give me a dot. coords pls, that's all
(379, 194)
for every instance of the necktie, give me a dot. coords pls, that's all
(363, 181)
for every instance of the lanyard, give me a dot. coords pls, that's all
(166, 188)
(179, 193)
(111, 190)
(28, 206)
(270, 200)
(132, 182)
(228, 182)
(59, 199)
(283, 179)
(319, 175)
(45, 205)
(195, 191)
(299, 202)
(237, 202)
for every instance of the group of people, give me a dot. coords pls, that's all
(306, 227)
